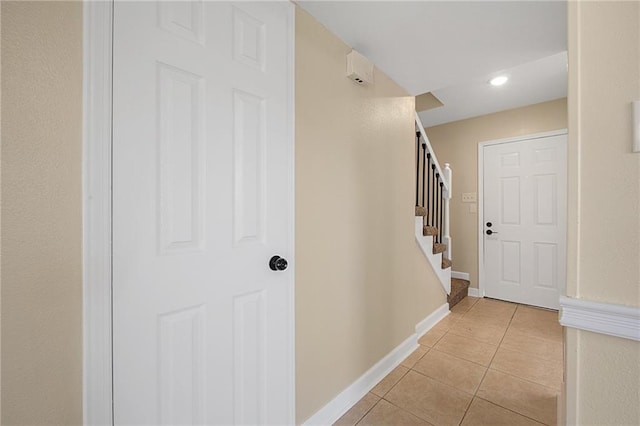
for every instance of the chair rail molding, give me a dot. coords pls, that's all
(599, 317)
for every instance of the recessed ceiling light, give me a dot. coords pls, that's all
(499, 81)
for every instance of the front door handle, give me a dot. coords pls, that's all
(490, 232)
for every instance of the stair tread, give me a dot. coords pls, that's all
(421, 211)
(459, 290)
(439, 248)
(458, 285)
(429, 231)
(446, 263)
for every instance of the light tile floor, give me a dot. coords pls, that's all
(488, 363)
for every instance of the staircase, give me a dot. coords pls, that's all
(433, 192)
(435, 252)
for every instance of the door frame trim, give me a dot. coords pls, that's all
(96, 191)
(480, 234)
(97, 387)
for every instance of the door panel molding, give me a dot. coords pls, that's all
(481, 146)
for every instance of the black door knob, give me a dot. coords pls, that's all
(489, 224)
(278, 263)
(489, 232)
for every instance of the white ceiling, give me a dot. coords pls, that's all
(530, 83)
(452, 48)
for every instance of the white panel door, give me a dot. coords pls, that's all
(202, 199)
(524, 226)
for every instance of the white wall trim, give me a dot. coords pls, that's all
(474, 292)
(481, 146)
(339, 405)
(541, 135)
(480, 200)
(460, 275)
(598, 317)
(96, 182)
(291, 69)
(429, 322)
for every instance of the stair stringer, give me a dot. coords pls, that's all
(426, 245)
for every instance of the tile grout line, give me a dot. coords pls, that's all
(392, 387)
(442, 383)
(475, 340)
(512, 411)
(431, 378)
(458, 358)
(494, 355)
(488, 366)
(466, 410)
(502, 339)
(395, 384)
(409, 369)
(511, 375)
(369, 410)
(406, 411)
(522, 379)
(525, 379)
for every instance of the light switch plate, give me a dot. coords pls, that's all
(468, 197)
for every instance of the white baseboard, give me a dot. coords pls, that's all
(346, 399)
(474, 292)
(339, 405)
(435, 317)
(598, 317)
(460, 275)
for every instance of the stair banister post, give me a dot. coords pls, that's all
(446, 239)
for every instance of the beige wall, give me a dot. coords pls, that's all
(603, 373)
(41, 213)
(457, 143)
(361, 282)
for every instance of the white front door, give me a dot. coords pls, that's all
(202, 199)
(524, 229)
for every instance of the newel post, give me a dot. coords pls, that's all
(446, 239)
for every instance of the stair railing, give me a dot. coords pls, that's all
(436, 194)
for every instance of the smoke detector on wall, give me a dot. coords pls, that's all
(359, 69)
